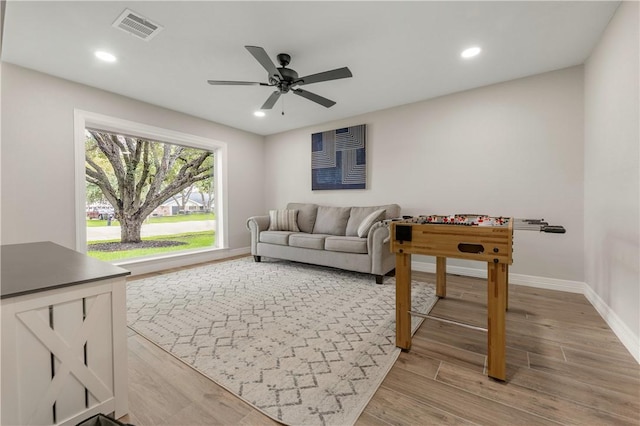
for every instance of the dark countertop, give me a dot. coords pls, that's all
(35, 267)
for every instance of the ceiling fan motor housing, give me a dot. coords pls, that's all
(288, 74)
(289, 78)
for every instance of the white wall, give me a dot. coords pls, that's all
(2, 10)
(612, 175)
(37, 166)
(511, 149)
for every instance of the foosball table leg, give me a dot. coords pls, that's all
(496, 315)
(441, 276)
(403, 301)
(506, 289)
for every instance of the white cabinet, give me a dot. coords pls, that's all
(64, 348)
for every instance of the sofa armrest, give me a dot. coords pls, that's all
(377, 235)
(378, 247)
(257, 224)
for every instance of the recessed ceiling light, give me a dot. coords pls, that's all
(470, 52)
(259, 114)
(105, 56)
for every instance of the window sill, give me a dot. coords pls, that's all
(145, 265)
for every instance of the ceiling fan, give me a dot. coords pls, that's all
(285, 79)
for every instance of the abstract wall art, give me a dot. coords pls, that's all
(338, 159)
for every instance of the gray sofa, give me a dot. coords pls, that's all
(351, 238)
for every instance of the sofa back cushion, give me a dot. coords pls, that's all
(356, 217)
(306, 215)
(331, 220)
(392, 211)
(358, 214)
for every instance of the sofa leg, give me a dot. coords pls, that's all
(379, 279)
(257, 258)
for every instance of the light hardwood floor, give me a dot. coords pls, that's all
(564, 366)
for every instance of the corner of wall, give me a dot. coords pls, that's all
(624, 333)
(612, 176)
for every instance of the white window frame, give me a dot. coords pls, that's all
(84, 119)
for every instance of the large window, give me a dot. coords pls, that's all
(147, 191)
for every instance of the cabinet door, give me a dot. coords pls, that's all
(58, 351)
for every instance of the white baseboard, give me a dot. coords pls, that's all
(518, 279)
(626, 336)
(142, 266)
(620, 329)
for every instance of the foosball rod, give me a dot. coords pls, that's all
(537, 225)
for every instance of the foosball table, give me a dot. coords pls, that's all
(471, 237)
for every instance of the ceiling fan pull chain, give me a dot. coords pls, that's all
(283, 106)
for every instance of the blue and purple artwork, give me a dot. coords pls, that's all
(338, 159)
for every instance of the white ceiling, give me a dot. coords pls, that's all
(398, 52)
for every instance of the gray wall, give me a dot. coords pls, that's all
(511, 149)
(612, 175)
(37, 169)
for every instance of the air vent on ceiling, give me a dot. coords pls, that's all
(137, 25)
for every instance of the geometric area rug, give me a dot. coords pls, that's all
(304, 344)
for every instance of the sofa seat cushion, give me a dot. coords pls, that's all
(275, 237)
(346, 244)
(312, 241)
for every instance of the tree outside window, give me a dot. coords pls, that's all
(136, 176)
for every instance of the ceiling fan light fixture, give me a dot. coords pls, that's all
(470, 52)
(259, 113)
(105, 56)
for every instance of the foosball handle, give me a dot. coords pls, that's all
(553, 229)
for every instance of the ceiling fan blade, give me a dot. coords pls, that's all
(236, 83)
(266, 62)
(315, 98)
(271, 101)
(326, 76)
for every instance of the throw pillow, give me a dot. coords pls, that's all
(283, 220)
(368, 221)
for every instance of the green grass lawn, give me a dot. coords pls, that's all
(194, 240)
(159, 219)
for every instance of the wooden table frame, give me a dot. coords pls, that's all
(445, 241)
